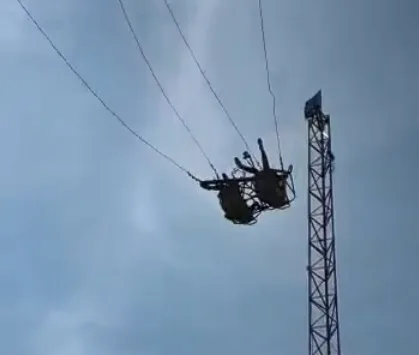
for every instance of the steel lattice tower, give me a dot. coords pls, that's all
(324, 338)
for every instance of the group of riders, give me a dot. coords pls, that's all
(268, 190)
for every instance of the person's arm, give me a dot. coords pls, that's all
(243, 167)
(281, 172)
(210, 185)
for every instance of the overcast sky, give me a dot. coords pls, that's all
(106, 249)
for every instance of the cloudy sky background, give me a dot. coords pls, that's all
(106, 249)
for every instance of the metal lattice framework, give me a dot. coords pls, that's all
(324, 337)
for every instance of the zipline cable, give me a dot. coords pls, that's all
(128, 21)
(202, 71)
(96, 95)
(268, 79)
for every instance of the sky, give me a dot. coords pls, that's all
(108, 249)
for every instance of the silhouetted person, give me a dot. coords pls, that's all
(270, 184)
(232, 201)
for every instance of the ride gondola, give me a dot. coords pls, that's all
(251, 190)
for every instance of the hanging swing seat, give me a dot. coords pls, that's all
(272, 190)
(237, 199)
(253, 195)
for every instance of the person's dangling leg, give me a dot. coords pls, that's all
(265, 161)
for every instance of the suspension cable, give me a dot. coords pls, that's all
(268, 79)
(128, 21)
(210, 86)
(96, 95)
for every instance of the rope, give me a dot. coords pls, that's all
(202, 71)
(96, 95)
(128, 21)
(268, 79)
